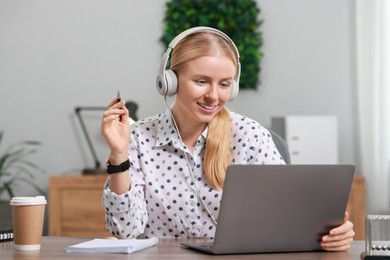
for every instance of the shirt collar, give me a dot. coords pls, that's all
(167, 133)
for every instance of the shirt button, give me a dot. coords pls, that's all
(192, 203)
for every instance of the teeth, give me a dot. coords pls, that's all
(206, 107)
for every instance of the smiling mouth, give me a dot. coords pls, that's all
(207, 107)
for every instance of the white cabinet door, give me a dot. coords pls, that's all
(311, 139)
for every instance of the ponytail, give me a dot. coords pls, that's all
(218, 153)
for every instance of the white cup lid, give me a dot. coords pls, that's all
(28, 200)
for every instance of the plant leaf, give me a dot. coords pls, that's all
(16, 168)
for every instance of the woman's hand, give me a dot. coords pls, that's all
(339, 238)
(115, 129)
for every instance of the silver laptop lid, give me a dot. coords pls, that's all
(280, 208)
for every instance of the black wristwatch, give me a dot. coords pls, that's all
(117, 168)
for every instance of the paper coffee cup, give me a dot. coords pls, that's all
(27, 218)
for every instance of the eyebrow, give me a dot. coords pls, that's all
(208, 77)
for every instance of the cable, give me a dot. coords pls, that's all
(189, 167)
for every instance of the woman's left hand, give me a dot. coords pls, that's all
(339, 238)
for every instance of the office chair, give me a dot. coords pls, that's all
(282, 146)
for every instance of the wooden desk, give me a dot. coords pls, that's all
(53, 248)
(75, 207)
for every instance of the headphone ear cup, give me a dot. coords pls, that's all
(161, 84)
(172, 82)
(234, 91)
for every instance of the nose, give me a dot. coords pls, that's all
(212, 92)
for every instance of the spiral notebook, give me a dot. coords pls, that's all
(6, 235)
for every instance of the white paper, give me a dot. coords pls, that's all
(122, 246)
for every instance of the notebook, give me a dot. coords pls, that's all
(6, 235)
(112, 246)
(279, 208)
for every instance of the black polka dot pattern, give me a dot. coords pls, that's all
(162, 201)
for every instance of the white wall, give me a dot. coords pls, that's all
(56, 55)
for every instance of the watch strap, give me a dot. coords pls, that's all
(117, 168)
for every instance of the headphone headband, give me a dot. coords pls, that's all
(199, 29)
(167, 81)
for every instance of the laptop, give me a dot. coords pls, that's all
(278, 208)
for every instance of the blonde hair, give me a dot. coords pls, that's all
(218, 153)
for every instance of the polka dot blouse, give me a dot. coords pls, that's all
(162, 200)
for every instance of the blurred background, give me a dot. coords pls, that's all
(57, 55)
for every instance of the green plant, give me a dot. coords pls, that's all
(237, 18)
(16, 168)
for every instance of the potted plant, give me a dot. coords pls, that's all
(15, 168)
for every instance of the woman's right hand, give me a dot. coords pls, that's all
(115, 129)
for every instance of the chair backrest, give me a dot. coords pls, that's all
(132, 107)
(282, 146)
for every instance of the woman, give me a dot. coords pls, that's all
(172, 184)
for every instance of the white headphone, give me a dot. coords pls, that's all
(167, 82)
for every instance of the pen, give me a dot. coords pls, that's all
(118, 96)
(118, 99)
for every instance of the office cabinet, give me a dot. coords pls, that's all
(311, 139)
(75, 206)
(356, 207)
